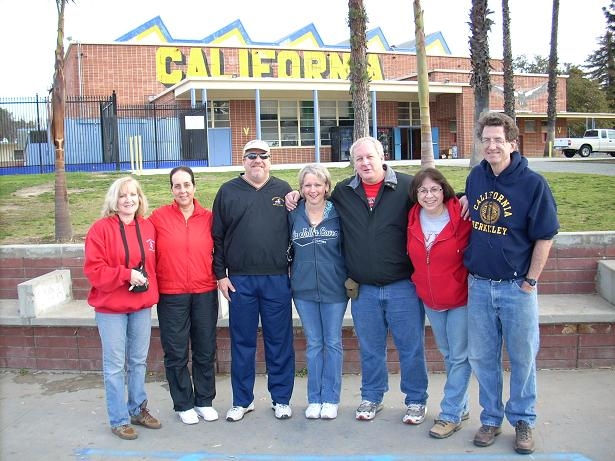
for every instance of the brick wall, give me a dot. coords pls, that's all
(564, 346)
(571, 267)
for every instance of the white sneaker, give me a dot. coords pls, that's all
(367, 410)
(415, 414)
(188, 416)
(328, 411)
(313, 411)
(282, 411)
(207, 413)
(236, 413)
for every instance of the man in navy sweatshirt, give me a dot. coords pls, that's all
(514, 219)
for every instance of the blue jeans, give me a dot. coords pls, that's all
(502, 312)
(322, 326)
(450, 330)
(125, 344)
(267, 297)
(396, 308)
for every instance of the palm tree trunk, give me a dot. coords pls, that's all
(509, 81)
(63, 227)
(480, 78)
(359, 77)
(552, 83)
(427, 157)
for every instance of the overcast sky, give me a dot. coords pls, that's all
(28, 32)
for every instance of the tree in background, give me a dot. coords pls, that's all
(480, 25)
(427, 158)
(63, 227)
(584, 95)
(522, 64)
(8, 126)
(509, 81)
(601, 63)
(552, 83)
(359, 78)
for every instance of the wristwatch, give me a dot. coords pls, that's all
(531, 282)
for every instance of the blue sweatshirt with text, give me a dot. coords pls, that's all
(318, 271)
(509, 212)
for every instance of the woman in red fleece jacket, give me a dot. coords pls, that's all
(437, 238)
(188, 306)
(120, 264)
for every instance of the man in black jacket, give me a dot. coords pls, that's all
(373, 206)
(250, 231)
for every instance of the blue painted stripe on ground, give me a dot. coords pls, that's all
(87, 454)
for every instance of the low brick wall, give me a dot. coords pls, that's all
(565, 346)
(571, 267)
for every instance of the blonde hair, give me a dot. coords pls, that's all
(320, 172)
(113, 195)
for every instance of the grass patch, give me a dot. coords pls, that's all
(27, 201)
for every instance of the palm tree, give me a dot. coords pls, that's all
(63, 227)
(480, 25)
(552, 84)
(359, 78)
(509, 81)
(427, 158)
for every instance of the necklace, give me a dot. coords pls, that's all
(315, 215)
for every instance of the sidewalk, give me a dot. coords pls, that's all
(62, 416)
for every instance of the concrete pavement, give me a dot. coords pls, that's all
(62, 416)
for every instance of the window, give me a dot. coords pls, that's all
(218, 114)
(543, 126)
(328, 120)
(408, 113)
(530, 126)
(269, 122)
(306, 123)
(291, 123)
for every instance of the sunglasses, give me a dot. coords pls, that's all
(252, 156)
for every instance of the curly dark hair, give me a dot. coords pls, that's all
(511, 131)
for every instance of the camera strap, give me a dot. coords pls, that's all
(123, 232)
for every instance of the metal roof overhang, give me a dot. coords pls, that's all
(299, 89)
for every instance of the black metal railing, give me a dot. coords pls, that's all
(100, 135)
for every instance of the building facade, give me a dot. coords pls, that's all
(294, 94)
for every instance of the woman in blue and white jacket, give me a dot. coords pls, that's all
(317, 277)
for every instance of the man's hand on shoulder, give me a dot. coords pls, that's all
(291, 199)
(465, 209)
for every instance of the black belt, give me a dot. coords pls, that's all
(478, 277)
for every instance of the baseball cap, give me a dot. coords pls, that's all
(256, 144)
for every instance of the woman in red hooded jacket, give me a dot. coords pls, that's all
(437, 238)
(120, 264)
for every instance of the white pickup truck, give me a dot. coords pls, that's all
(595, 140)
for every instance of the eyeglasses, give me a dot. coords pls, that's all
(425, 191)
(252, 156)
(496, 141)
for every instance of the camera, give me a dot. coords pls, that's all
(140, 288)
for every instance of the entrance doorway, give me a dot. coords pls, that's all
(407, 142)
